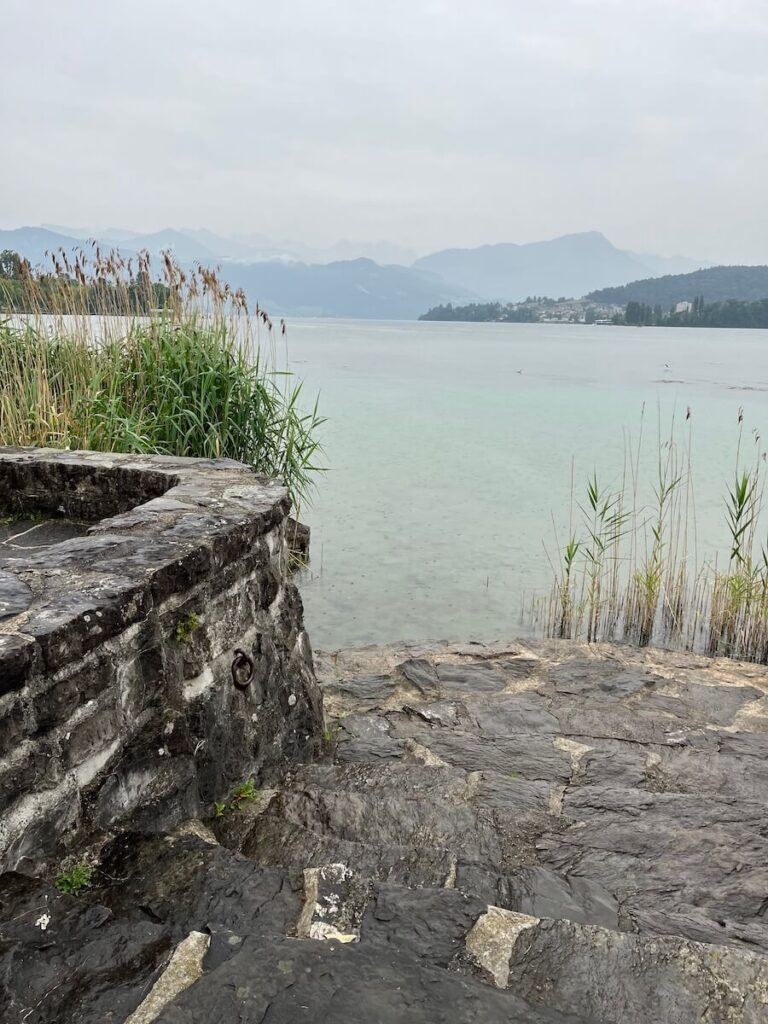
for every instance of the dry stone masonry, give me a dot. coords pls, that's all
(123, 697)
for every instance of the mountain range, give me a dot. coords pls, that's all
(567, 266)
(374, 280)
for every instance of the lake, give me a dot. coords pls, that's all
(450, 449)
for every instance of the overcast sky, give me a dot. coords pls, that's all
(424, 122)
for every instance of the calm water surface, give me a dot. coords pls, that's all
(450, 449)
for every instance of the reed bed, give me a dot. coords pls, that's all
(629, 567)
(103, 353)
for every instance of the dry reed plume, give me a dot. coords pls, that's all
(101, 353)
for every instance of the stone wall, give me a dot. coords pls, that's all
(161, 658)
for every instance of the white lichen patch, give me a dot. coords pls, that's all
(183, 970)
(336, 872)
(492, 938)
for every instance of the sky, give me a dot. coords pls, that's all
(427, 123)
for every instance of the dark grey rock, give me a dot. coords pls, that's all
(470, 678)
(421, 674)
(15, 595)
(366, 691)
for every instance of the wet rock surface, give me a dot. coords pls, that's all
(543, 834)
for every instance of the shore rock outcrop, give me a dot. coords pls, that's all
(550, 833)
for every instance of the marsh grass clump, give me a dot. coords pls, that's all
(99, 354)
(629, 568)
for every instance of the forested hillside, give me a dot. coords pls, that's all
(715, 284)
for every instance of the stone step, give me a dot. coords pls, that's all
(597, 973)
(622, 859)
(183, 931)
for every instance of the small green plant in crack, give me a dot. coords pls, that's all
(242, 794)
(75, 880)
(187, 628)
(331, 732)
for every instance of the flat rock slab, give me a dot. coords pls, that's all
(649, 775)
(15, 595)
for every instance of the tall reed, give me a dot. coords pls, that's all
(631, 570)
(101, 353)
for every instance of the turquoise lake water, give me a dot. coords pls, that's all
(450, 448)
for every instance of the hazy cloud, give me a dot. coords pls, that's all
(427, 122)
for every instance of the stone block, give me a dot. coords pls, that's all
(54, 705)
(11, 723)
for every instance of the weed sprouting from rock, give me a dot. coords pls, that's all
(74, 881)
(187, 628)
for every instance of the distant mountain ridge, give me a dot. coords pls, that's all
(566, 266)
(204, 245)
(287, 284)
(344, 288)
(35, 243)
(714, 284)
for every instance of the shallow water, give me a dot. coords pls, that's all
(450, 449)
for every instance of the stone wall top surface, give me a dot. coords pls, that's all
(158, 524)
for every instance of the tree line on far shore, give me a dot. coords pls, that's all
(728, 313)
(697, 313)
(24, 290)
